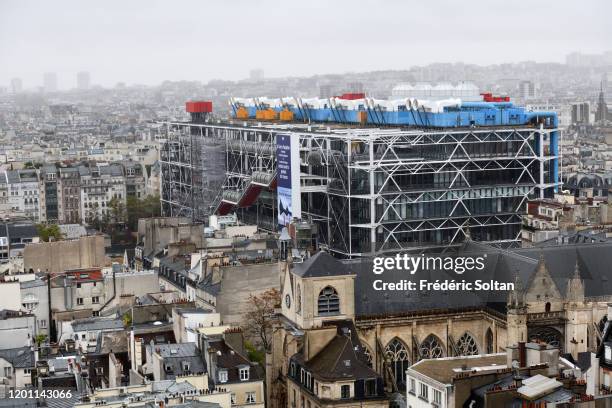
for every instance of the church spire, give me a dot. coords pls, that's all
(575, 286)
(516, 298)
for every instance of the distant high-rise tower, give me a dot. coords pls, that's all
(601, 115)
(83, 80)
(580, 113)
(326, 91)
(527, 90)
(256, 74)
(16, 85)
(50, 82)
(354, 87)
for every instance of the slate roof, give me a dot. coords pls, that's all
(21, 230)
(594, 260)
(230, 360)
(97, 324)
(321, 264)
(337, 361)
(21, 357)
(175, 355)
(177, 350)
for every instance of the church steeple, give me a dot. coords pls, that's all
(575, 286)
(516, 298)
(541, 286)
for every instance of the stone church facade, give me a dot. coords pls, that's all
(553, 305)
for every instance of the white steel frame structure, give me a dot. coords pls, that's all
(374, 190)
(192, 171)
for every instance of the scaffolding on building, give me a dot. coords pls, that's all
(192, 171)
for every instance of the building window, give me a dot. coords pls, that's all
(489, 341)
(431, 347)
(437, 397)
(370, 387)
(250, 398)
(466, 345)
(549, 335)
(292, 369)
(95, 299)
(412, 386)
(8, 371)
(398, 354)
(42, 323)
(95, 313)
(78, 285)
(222, 376)
(345, 391)
(233, 398)
(80, 301)
(423, 391)
(298, 303)
(329, 302)
(244, 374)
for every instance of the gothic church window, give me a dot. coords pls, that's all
(431, 347)
(466, 345)
(489, 341)
(548, 335)
(397, 353)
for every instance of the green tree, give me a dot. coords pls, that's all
(40, 338)
(117, 211)
(127, 319)
(93, 218)
(146, 207)
(46, 232)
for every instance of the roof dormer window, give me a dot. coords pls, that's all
(244, 374)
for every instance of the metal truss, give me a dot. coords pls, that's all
(192, 169)
(359, 184)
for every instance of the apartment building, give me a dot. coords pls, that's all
(24, 193)
(49, 208)
(69, 195)
(135, 179)
(99, 185)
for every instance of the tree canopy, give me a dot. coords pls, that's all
(46, 232)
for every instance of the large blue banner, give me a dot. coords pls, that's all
(283, 169)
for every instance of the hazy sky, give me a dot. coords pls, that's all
(145, 41)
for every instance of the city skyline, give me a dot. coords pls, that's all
(147, 43)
